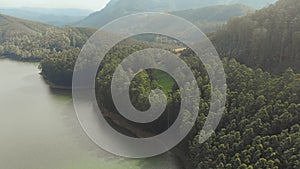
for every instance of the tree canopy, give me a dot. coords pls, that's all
(268, 39)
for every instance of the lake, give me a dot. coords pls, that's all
(39, 128)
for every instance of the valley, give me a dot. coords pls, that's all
(259, 44)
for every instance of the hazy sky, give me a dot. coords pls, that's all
(82, 4)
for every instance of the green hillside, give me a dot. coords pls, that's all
(209, 19)
(27, 40)
(58, 17)
(260, 127)
(189, 4)
(268, 39)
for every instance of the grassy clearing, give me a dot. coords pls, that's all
(164, 79)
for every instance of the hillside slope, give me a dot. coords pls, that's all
(28, 40)
(268, 39)
(209, 21)
(58, 17)
(12, 27)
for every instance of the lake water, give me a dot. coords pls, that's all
(39, 129)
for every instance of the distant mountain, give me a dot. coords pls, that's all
(209, 21)
(189, 4)
(118, 8)
(31, 41)
(268, 38)
(11, 27)
(58, 17)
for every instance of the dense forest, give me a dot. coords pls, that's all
(268, 39)
(260, 127)
(58, 67)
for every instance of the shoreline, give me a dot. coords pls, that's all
(50, 84)
(54, 86)
(20, 59)
(115, 119)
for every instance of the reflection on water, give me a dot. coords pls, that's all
(39, 129)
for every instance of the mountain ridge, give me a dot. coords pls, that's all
(53, 16)
(118, 8)
(27, 40)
